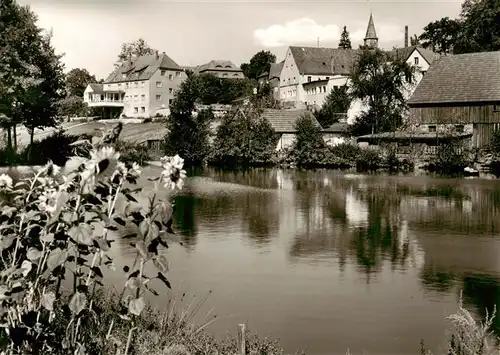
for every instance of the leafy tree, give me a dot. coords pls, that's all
(380, 84)
(188, 131)
(77, 80)
(137, 48)
(345, 41)
(260, 63)
(244, 138)
(309, 146)
(441, 36)
(337, 102)
(71, 106)
(414, 40)
(212, 89)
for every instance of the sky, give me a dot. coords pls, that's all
(90, 32)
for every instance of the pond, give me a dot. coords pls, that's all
(327, 261)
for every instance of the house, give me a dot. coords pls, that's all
(221, 69)
(142, 86)
(274, 78)
(337, 133)
(459, 93)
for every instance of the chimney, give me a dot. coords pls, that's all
(406, 36)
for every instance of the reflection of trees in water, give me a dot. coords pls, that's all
(257, 177)
(436, 280)
(185, 220)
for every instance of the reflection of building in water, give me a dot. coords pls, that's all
(284, 180)
(355, 209)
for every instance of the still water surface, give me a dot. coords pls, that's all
(327, 261)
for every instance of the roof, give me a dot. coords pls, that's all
(218, 65)
(405, 52)
(142, 68)
(263, 75)
(337, 127)
(415, 137)
(472, 77)
(318, 82)
(97, 88)
(324, 61)
(283, 121)
(370, 30)
(275, 70)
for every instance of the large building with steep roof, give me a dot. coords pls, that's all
(141, 87)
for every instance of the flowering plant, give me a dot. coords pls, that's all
(55, 241)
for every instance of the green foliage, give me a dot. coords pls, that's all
(213, 90)
(188, 130)
(476, 30)
(259, 63)
(368, 160)
(130, 153)
(77, 80)
(345, 41)
(135, 48)
(309, 147)
(72, 106)
(451, 158)
(380, 84)
(337, 103)
(244, 139)
(59, 227)
(495, 142)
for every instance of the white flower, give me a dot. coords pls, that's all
(103, 163)
(136, 169)
(50, 169)
(121, 170)
(5, 181)
(48, 201)
(172, 173)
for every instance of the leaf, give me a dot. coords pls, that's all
(8, 211)
(134, 274)
(153, 232)
(133, 283)
(47, 238)
(130, 198)
(161, 263)
(112, 228)
(164, 280)
(128, 236)
(153, 291)
(120, 221)
(48, 300)
(80, 142)
(77, 303)
(154, 179)
(26, 266)
(34, 254)
(82, 234)
(56, 258)
(141, 247)
(101, 244)
(136, 306)
(143, 228)
(97, 271)
(7, 241)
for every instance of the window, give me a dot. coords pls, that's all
(158, 84)
(459, 128)
(119, 85)
(432, 129)
(293, 79)
(496, 108)
(170, 101)
(126, 85)
(142, 84)
(177, 73)
(143, 97)
(170, 77)
(170, 90)
(162, 73)
(136, 109)
(309, 79)
(327, 78)
(136, 84)
(158, 97)
(324, 88)
(415, 59)
(143, 109)
(135, 97)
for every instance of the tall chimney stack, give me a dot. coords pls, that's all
(406, 36)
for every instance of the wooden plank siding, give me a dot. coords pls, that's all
(484, 117)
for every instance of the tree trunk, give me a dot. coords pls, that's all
(32, 138)
(14, 131)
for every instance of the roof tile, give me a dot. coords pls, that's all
(283, 121)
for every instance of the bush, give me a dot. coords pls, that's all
(395, 164)
(130, 153)
(309, 148)
(368, 160)
(451, 158)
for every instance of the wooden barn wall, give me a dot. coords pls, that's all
(454, 114)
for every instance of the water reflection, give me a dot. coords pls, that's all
(435, 236)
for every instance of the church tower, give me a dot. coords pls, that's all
(371, 39)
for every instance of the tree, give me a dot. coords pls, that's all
(30, 71)
(259, 63)
(188, 131)
(309, 146)
(441, 36)
(71, 106)
(136, 48)
(336, 103)
(345, 41)
(77, 80)
(414, 40)
(381, 84)
(244, 138)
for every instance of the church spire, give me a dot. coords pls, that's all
(371, 39)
